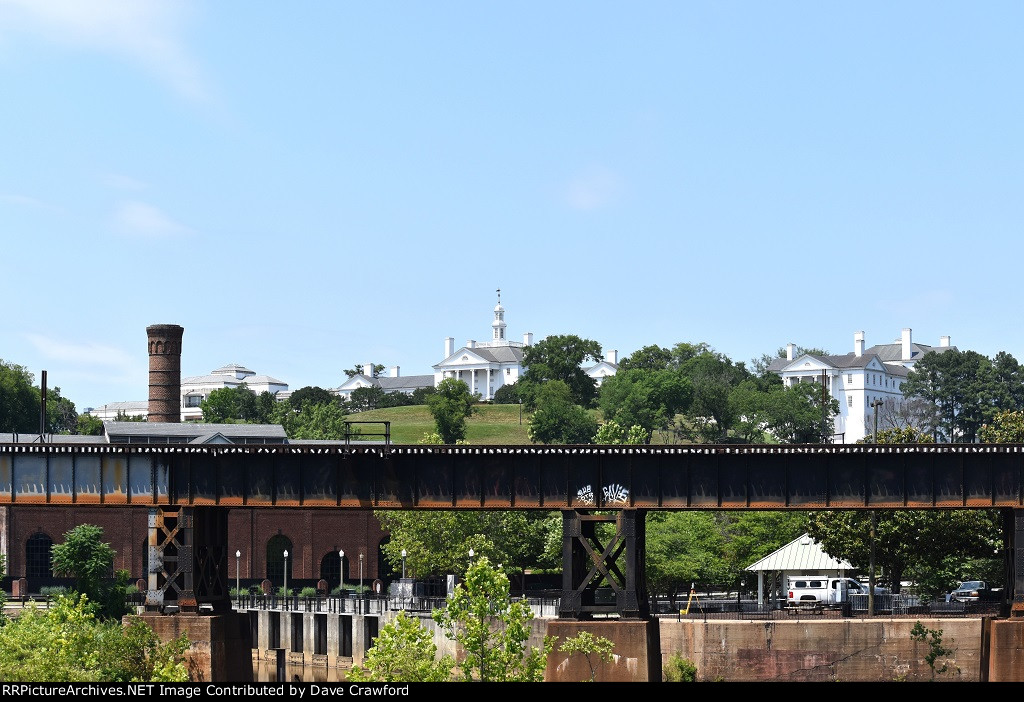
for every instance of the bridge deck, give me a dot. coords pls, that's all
(861, 476)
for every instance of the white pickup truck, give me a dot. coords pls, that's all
(824, 590)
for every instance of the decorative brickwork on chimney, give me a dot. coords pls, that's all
(164, 372)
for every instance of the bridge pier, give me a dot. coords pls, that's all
(188, 593)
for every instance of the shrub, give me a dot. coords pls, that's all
(679, 669)
(307, 592)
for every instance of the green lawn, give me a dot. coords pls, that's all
(490, 424)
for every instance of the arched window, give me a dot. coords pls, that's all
(331, 569)
(276, 547)
(38, 558)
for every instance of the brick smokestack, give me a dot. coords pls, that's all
(164, 372)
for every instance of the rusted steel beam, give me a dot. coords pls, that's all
(517, 477)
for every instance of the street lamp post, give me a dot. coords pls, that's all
(404, 553)
(875, 404)
(238, 576)
(341, 571)
(286, 577)
(360, 583)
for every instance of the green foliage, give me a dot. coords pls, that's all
(561, 357)
(420, 396)
(898, 435)
(492, 628)
(358, 369)
(240, 404)
(594, 648)
(313, 421)
(612, 433)
(450, 405)
(1005, 427)
(312, 395)
(68, 643)
(751, 535)
(507, 395)
(89, 425)
(404, 651)
(557, 420)
(965, 390)
(308, 592)
(933, 639)
(20, 402)
(437, 542)
(683, 548)
(679, 669)
(84, 556)
(645, 397)
(910, 541)
(369, 397)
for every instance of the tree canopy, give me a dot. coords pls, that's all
(450, 406)
(238, 404)
(560, 357)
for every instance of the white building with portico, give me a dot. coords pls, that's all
(859, 379)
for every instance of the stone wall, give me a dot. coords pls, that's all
(862, 650)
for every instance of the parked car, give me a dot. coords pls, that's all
(973, 591)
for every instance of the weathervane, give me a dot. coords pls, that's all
(499, 296)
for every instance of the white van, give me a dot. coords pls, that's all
(825, 589)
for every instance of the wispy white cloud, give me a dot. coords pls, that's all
(593, 188)
(107, 366)
(138, 219)
(146, 31)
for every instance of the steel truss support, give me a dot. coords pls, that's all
(617, 568)
(188, 559)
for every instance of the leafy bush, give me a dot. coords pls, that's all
(679, 669)
(52, 590)
(307, 592)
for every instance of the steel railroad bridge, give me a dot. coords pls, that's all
(187, 489)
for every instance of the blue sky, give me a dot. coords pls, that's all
(309, 186)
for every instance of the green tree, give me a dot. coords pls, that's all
(239, 404)
(68, 643)
(358, 369)
(507, 395)
(84, 556)
(645, 397)
(1006, 427)
(561, 357)
(436, 542)
(19, 401)
(961, 387)
(790, 415)
(420, 396)
(450, 406)
(366, 398)
(404, 651)
(611, 432)
(557, 420)
(593, 648)
(312, 395)
(749, 536)
(684, 548)
(492, 628)
(89, 425)
(322, 422)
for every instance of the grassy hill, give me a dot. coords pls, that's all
(490, 424)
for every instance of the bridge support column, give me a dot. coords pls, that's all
(1013, 529)
(616, 567)
(188, 566)
(188, 559)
